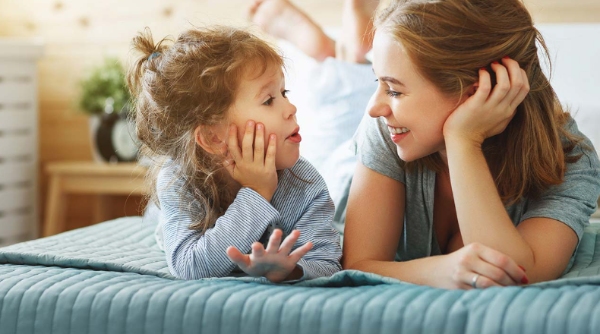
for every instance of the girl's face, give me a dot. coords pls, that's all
(413, 108)
(263, 100)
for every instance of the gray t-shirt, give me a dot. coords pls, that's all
(571, 202)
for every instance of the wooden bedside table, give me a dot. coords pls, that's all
(92, 178)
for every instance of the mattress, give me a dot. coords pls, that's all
(112, 278)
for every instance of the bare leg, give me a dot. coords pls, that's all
(356, 38)
(280, 18)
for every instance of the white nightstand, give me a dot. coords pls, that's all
(18, 140)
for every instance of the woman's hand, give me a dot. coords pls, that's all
(487, 112)
(251, 166)
(276, 263)
(478, 266)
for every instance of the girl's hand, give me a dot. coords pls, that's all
(251, 166)
(487, 112)
(275, 263)
(476, 266)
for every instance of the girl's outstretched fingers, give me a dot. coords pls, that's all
(274, 242)
(289, 242)
(257, 250)
(234, 254)
(299, 252)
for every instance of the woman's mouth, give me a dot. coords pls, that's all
(398, 133)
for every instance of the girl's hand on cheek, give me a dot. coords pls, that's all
(251, 166)
(277, 262)
(487, 112)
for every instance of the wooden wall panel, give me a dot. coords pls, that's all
(79, 33)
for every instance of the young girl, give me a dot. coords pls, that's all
(213, 116)
(482, 181)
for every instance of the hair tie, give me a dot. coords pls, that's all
(153, 55)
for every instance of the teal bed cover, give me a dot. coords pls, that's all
(112, 278)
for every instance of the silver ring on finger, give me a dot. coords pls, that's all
(474, 281)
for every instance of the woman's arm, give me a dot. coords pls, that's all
(374, 223)
(542, 246)
(374, 220)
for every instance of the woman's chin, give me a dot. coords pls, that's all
(405, 156)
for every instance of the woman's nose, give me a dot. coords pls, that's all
(376, 107)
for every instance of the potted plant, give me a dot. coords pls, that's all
(105, 97)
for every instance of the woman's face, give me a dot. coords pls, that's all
(413, 108)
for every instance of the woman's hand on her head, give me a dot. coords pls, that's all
(476, 266)
(489, 110)
(251, 166)
(277, 262)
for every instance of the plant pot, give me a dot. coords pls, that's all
(94, 123)
(113, 138)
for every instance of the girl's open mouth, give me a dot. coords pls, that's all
(295, 137)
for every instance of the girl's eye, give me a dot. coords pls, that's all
(269, 101)
(284, 93)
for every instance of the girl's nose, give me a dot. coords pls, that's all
(376, 107)
(290, 111)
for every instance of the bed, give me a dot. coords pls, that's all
(112, 277)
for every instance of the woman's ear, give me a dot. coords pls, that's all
(473, 89)
(207, 138)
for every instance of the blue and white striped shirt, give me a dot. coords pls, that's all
(296, 204)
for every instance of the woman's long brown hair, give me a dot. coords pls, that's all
(448, 41)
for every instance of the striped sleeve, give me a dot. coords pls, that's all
(303, 200)
(316, 226)
(192, 255)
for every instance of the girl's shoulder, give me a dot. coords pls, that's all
(168, 171)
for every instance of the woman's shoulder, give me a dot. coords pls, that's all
(584, 146)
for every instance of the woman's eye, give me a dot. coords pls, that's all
(284, 93)
(392, 93)
(269, 101)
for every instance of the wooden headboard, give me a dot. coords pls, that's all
(78, 34)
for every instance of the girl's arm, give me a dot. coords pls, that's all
(317, 249)
(192, 255)
(315, 226)
(374, 226)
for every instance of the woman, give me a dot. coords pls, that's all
(470, 173)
